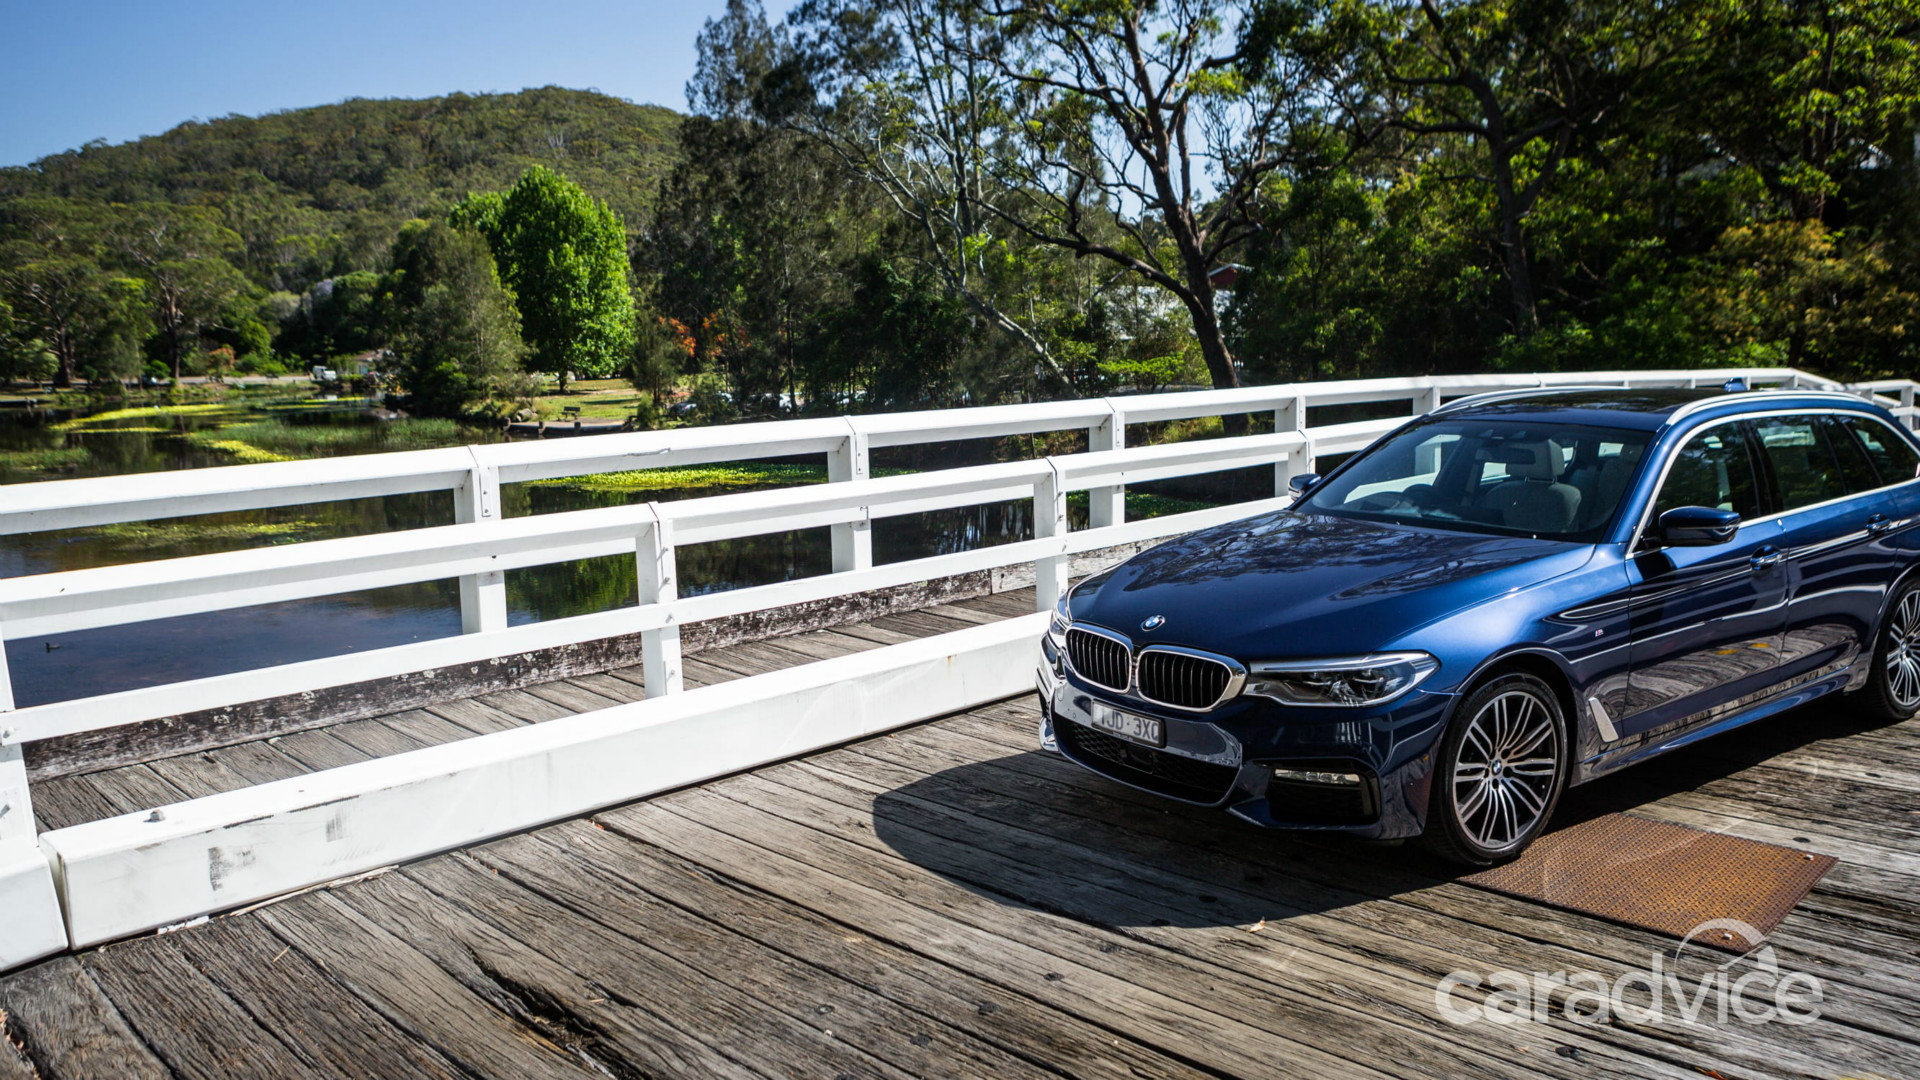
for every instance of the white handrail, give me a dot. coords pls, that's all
(482, 546)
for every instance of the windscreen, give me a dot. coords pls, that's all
(1555, 481)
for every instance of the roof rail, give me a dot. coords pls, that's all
(1692, 407)
(1508, 395)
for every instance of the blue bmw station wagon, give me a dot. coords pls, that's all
(1513, 594)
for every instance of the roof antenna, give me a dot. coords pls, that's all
(1735, 385)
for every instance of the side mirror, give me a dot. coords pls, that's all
(1698, 526)
(1304, 482)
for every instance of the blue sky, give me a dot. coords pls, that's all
(77, 70)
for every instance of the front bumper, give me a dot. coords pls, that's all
(1227, 758)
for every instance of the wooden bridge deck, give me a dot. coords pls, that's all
(949, 901)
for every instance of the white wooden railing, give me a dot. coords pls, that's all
(92, 865)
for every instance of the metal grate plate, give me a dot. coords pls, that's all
(1661, 877)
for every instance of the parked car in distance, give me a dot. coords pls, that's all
(1513, 594)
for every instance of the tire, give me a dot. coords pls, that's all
(1483, 810)
(1893, 685)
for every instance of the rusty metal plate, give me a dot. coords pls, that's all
(1662, 877)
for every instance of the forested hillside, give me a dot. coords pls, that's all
(319, 191)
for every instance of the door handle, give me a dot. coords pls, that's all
(1767, 557)
(1878, 524)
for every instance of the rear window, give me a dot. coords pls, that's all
(1893, 457)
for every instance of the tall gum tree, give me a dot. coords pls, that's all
(1142, 131)
(1526, 80)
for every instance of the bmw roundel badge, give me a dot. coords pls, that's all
(1154, 622)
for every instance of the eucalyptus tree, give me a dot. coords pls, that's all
(181, 253)
(66, 295)
(902, 94)
(1526, 81)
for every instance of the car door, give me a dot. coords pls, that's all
(1834, 512)
(1706, 621)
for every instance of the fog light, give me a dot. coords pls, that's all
(1312, 776)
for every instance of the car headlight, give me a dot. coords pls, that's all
(1349, 682)
(1057, 627)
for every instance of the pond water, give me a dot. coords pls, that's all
(38, 446)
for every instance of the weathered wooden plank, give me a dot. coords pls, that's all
(519, 703)
(1128, 980)
(569, 696)
(604, 868)
(69, 800)
(317, 749)
(198, 774)
(879, 635)
(609, 687)
(414, 994)
(187, 1021)
(618, 1033)
(375, 739)
(68, 1028)
(258, 762)
(425, 727)
(133, 787)
(764, 1007)
(328, 1027)
(476, 716)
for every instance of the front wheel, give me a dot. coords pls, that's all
(1893, 685)
(1501, 769)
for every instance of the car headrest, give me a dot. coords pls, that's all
(1532, 461)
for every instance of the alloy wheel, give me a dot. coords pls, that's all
(1506, 768)
(1903, 652)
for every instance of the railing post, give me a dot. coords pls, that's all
(659, 584)
(1291, 416)
(16, 802)
(1428, 401)
(1049, 519)
(483, 596)
(1107, 505)
(1906, 403)
(852, 541)
(31, 923)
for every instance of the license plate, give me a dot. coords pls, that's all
(1140, 729)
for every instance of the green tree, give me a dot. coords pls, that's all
(65, 294)
(22, 356)
(181, 253)
(564, 255)
(455, 333)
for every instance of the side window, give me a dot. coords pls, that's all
(1712, 469)
(1802, 464)
(1892, 456)
(1855, 470)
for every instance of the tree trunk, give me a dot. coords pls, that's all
(1213, 346)
(1513, 238)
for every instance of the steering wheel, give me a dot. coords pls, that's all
(1386, 502)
